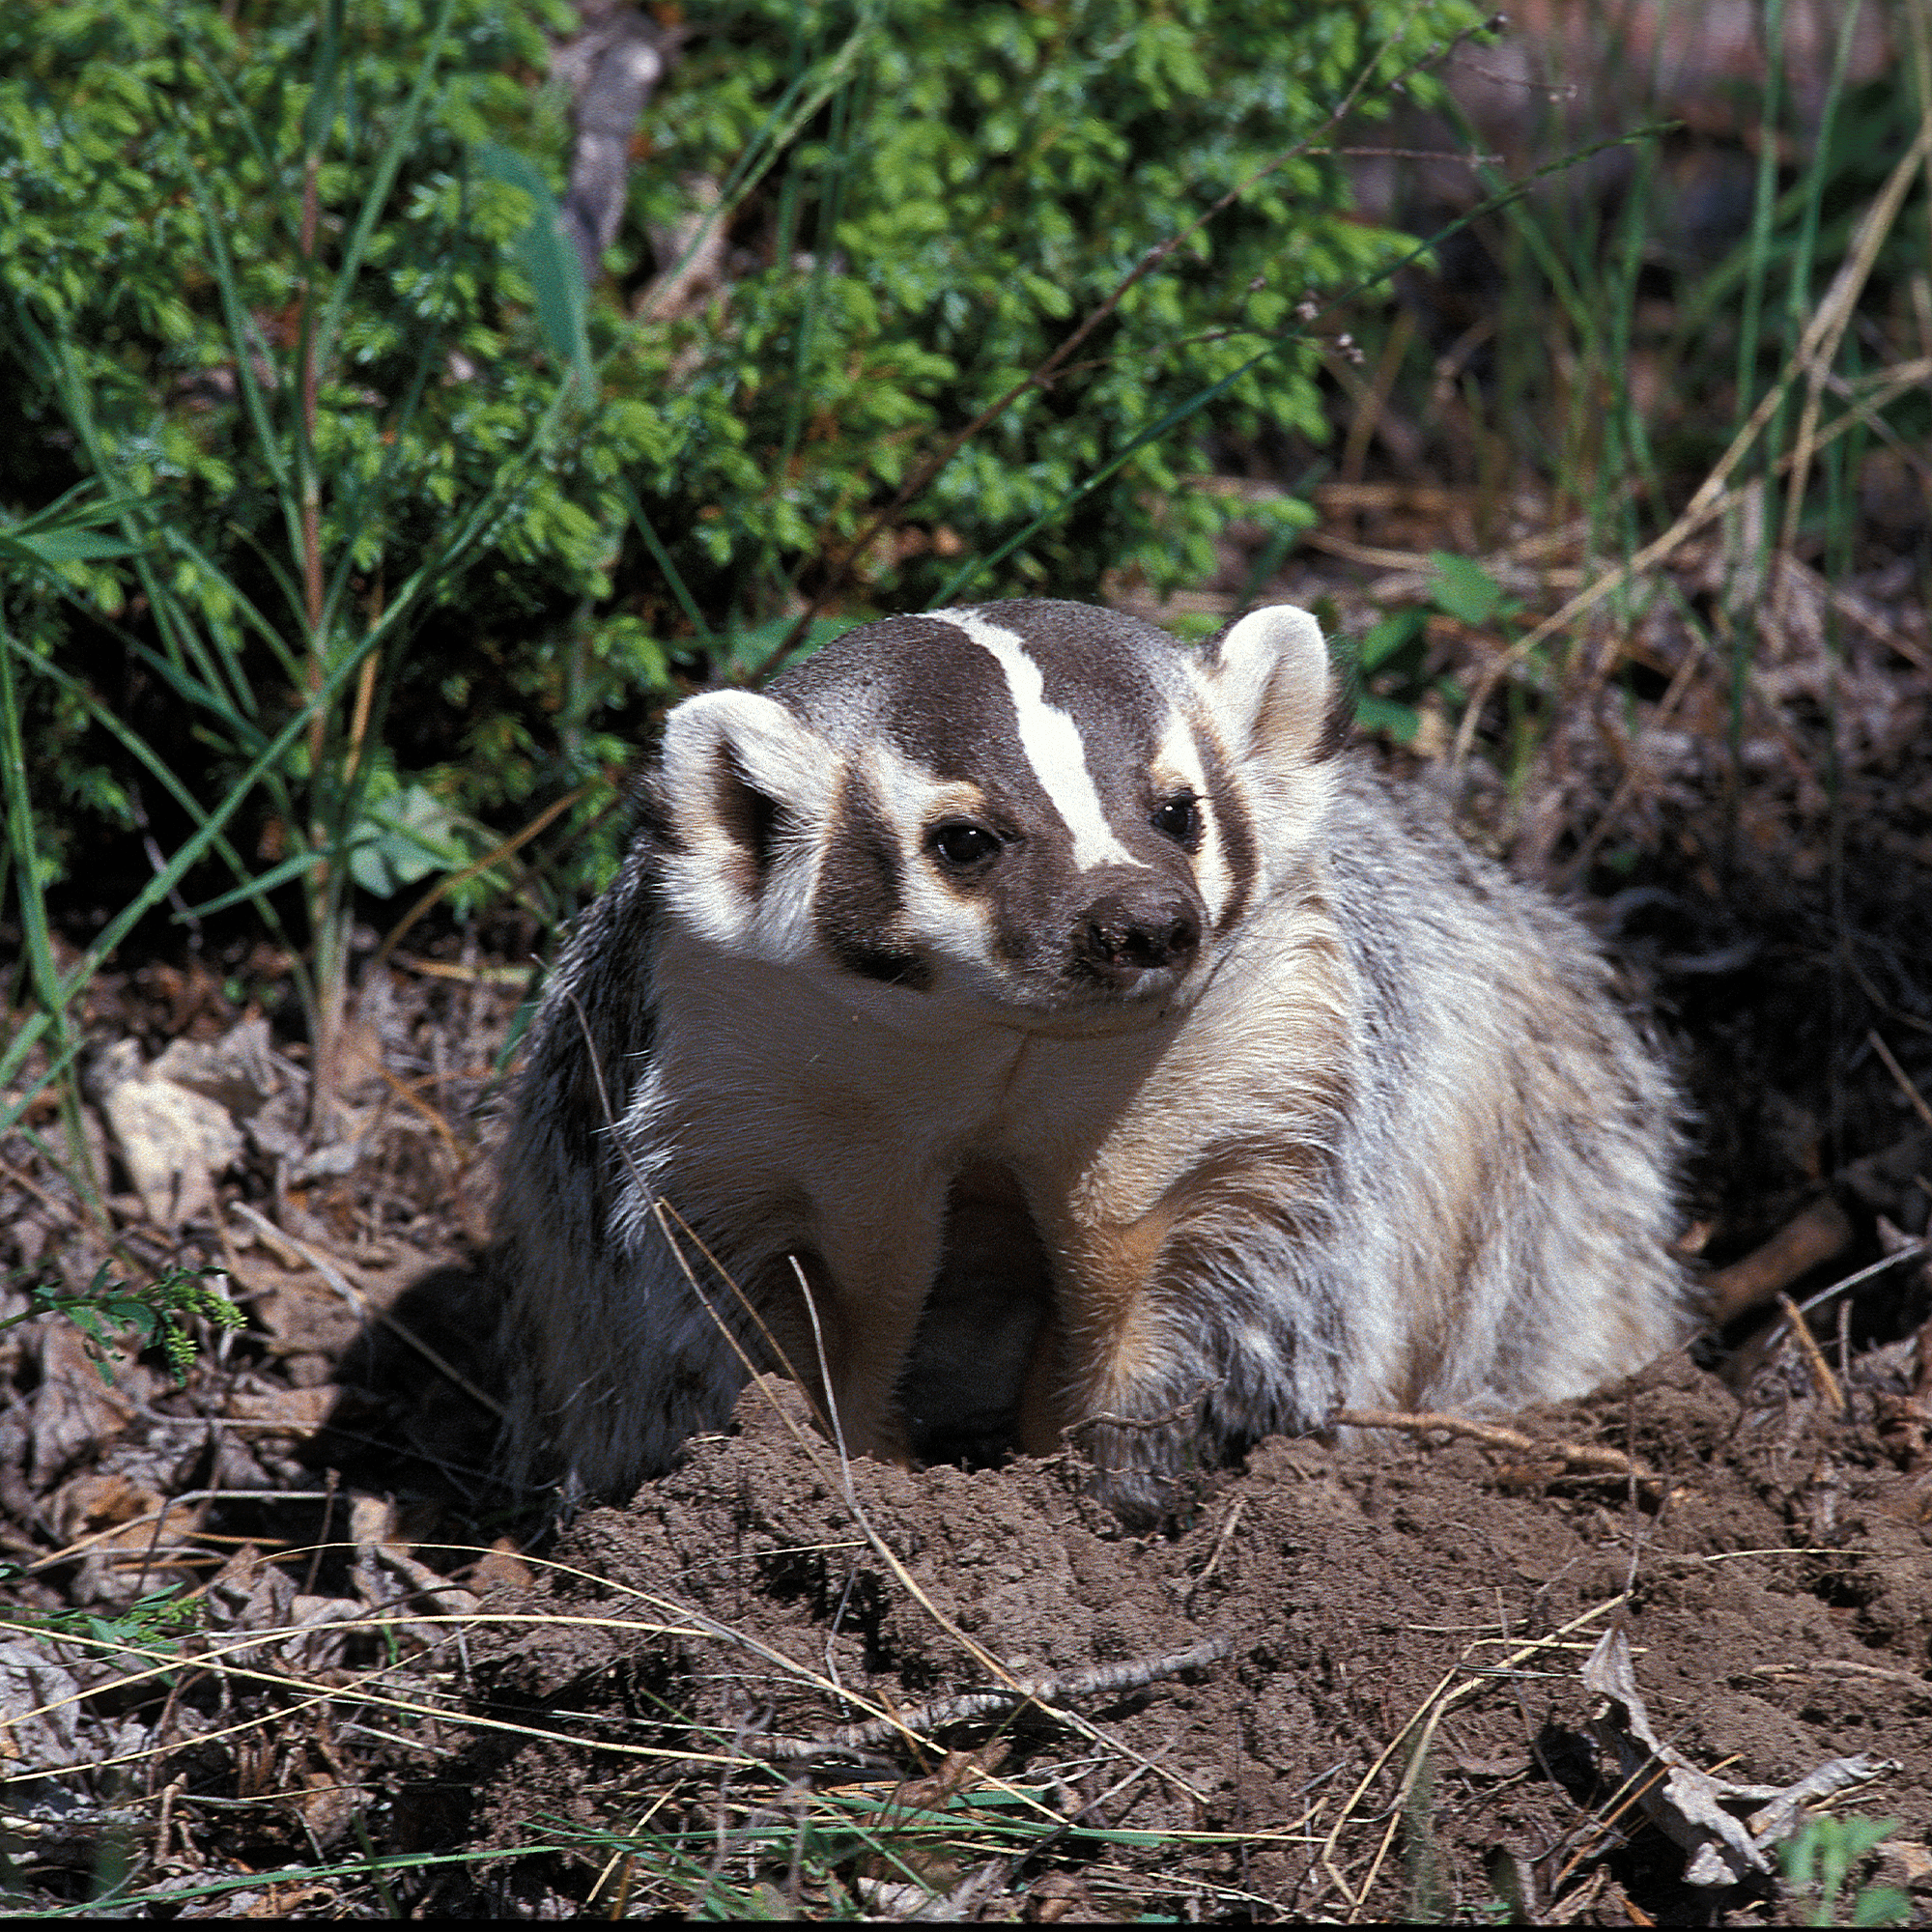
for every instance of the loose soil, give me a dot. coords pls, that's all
(1776, 1592)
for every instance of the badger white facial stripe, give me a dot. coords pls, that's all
(1179, 759)
(1052, 743)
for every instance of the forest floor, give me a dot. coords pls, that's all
(281, 1648)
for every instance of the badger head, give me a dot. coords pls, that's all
(1046, 810)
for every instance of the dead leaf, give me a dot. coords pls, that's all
(74, 1412)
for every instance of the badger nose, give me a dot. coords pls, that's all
(1135, 929)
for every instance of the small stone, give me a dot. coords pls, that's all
(173, 1143)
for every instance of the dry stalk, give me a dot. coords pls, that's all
(986, 1660)
(1822, 1378)
(81, 1545)
(449, 881)
(1606, 821)
(1631, 1795)
(1816, 348)
(1899, 1074)
(1216, 1554)
(364, 1690)
(444, 1131)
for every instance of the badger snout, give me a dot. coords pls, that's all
(1136, 926)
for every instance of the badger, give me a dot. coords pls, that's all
(1026, 1029)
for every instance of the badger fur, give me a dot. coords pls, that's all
(1014, 1023)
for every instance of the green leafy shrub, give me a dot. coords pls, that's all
(358, 497)
(986, 179)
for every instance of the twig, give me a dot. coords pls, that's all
(1214, 1555)
(1162, 1421)
(1802, 1244)
(1844, 1666)
(1578, 1458)
(1045, 1691)
(1899, 1074)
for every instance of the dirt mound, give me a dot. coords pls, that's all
(1348, 1684)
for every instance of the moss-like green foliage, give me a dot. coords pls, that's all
(201, 206)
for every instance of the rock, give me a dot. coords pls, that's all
(173, 1142)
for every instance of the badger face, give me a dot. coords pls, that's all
(1046, 812)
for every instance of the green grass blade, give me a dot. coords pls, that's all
(671, 574)
(133, 515)
(794, 111)
(158, 768)
(65, 531)
(244, 345)
(38, 938)
(550, 260)
(261, 885)
(272, 757)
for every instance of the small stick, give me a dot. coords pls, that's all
(1213, 1562)
(1045, 1691)
(1814, 1357)
(1815, 1235)
(1164, 1420)
(1579, 1459)
(1844, 1666)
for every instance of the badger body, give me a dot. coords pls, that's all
(1014, 1022)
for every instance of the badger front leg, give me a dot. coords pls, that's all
(1184, 1336)
(854, 1310)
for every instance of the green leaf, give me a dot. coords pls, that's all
(61, 546)
(1882, 1905)
(1464, 588)
(549, 259)
(1384, 640)
(1399, 721)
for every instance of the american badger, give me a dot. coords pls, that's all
(1023, 1023)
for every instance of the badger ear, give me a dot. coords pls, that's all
(1269, 683)
(740, 776)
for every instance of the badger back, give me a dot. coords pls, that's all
(1038, 806)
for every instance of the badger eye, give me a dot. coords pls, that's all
(1179, 819)
(962, 845)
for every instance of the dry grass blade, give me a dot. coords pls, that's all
(1417, 1734)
